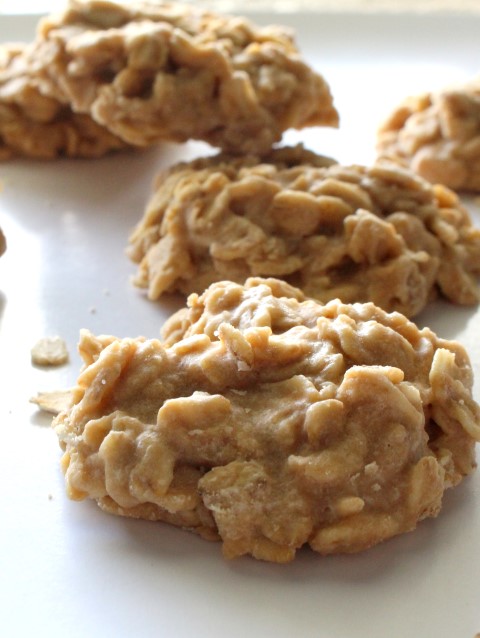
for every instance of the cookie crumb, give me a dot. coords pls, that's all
(3, 242)
(49, 351)
(53, 402)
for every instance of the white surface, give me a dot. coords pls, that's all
(67, 569)
(287, 6)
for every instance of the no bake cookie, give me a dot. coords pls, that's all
(438, 136)
(152, 71)
(271, 421)
(359, 233)
(34, 122)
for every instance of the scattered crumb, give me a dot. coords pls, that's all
(106, 292)
(3, 243)
(53, 402)
(92, 310)
(49, 351)
(50, 497)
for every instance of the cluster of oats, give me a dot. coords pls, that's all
(103, 75)
(291, 402)
(271, 421)
(357, 233)
(438, 136)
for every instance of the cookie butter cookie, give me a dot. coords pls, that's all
(150, 71)
(270, 421)
(438, 136)
(377, 233)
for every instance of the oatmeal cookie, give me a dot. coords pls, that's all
(150, 71)
(271, 421)
(34, 121)
(377, 233)
(438, 136)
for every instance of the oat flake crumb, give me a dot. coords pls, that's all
(49, 351)
(53, 402)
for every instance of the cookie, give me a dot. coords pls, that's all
(152, 71)
(438, 136)
(270, 421)
(34, 121)
(358, 233)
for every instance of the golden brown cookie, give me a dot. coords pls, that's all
(438, 136)
(271, 421)
(34, 121)
(359, 233)
(150, 71)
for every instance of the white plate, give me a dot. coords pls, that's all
(67, 569)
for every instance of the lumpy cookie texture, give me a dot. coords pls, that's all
(151, 71)
(359, 233)
(270, 421)
(438, 136)
(34, 121)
